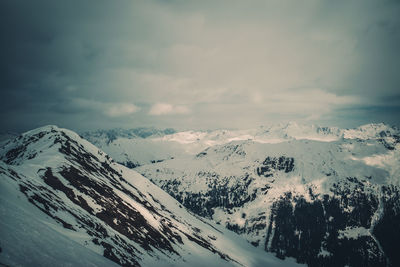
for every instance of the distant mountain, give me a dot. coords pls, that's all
(142, 146)
(64, 202)
(134, 147)
(109, 136)
(325, 196)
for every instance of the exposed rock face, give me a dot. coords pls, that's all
(279, 164)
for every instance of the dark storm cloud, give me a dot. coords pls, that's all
(101, 64)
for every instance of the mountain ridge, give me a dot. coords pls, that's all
(112, 212)
(134, 151)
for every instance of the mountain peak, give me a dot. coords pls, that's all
(49, 139)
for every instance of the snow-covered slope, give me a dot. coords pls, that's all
(143, 146)
(64, 202)
(328, 197)
(135, 147)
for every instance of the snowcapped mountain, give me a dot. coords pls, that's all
(325, 196)
(142, 146)
(65, 202)
(134, 147)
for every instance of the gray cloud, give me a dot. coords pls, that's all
(101, 64)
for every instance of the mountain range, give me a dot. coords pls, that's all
(64, 202)
(277, 195)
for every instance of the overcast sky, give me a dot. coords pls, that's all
(198, 64)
